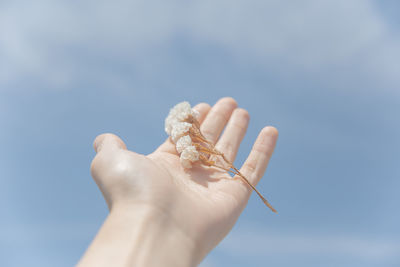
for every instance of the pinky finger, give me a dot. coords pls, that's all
(257, 161)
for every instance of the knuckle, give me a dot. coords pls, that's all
(220, 115)
(208, 133)
(251, 167)
(240, 120)
(238, 125)
(104, 165)
(227, 148)
(119, 166)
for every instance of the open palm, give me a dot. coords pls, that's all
(204, 202)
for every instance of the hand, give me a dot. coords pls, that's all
(199, 205)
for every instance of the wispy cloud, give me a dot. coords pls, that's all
(311, 244)
(63, 43)
(252, 241)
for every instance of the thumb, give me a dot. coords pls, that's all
(108, 141)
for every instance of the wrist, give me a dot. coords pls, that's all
(156, 240)
(141, 236)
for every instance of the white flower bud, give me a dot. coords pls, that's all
(195, 113)
(179, 113)
(187, 164)
(183, 111)
(183, 142)
(188, 156)
(179, 129)
(169, 122)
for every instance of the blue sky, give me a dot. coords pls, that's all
(325, 73)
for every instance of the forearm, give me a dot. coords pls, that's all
(139, 237)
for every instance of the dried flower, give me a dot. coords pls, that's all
(180, 129)
(179, 113)
(183, 142)
(189, 155)
(184, 129)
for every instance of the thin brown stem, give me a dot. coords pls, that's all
(258, 193)
(210, 149)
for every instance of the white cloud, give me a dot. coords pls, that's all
(255, 241)
(59, 43)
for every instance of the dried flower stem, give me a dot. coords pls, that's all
(210, 149)
(181, 124)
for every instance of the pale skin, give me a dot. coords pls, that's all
(164, 215)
